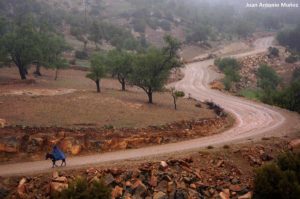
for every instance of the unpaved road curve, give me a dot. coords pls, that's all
(254, 120)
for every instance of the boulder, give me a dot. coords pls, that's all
(108, 179)
(55, 174)
(75, 150)
(235, 188)
(246, 196)
(61, 179)
(163, 165)
(117, 192)
(153, 181)
(224, 195)
(140, 190)
(21, 190)
(160, 195)
(294, 144)
(3, 123)
(57, 187)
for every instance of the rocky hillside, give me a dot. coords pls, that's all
(225, 173)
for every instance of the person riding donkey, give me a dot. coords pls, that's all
(56, 155)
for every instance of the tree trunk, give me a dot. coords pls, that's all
(150, 98)
(98, 86)
(22, 72)
(175, 104)
(123, 84)
(25, 70)
(56, 74)
(38, 70)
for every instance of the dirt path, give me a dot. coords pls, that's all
(254, 120)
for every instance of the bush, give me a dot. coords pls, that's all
(227, 63)
(81, 55)
(291, 59)
(267, 78)
(273, 52)
(230, 67)
(280, 179)
(80, 188)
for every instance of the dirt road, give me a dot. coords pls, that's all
(254, 120)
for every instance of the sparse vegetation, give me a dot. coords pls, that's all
(280, 179)
(230, 67)
(176, 94)
(81, 188)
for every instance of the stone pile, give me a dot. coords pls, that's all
(249, 66)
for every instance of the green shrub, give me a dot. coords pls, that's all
(227, 63)
(291, 59)
(280, 179)
(250, 94)
(273, 52)
(268, 79)
(81, 189)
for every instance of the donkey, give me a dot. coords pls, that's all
(51, 156)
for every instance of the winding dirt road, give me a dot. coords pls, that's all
(254, 120)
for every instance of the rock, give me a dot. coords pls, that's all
(108, 179)
(153, 181)
(3, 123)
(220, 163)
(266, 157)
(10, 145)
(3, 192)
(198, 105)
(162, 186)
(193, 186)
(76, 149)
(66, 144)
(61, 179)
(55, 174)
(163, 165)
(57, 187)
(224, 194)
(246, 196)
(117, 192)
(171, 187)
(128, 184)
(235, 188)
(235, 181)
(160, 195)
(181, 194)
(140, 190)
(22, 188)
(294, 144)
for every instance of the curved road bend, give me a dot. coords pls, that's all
(253, 120)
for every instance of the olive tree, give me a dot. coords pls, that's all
(152, 69)
(97, 70)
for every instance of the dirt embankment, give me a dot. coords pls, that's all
(225, 173)
(17, 143)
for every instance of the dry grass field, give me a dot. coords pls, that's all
(71, 101)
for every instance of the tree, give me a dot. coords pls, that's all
(152, 69)
(21, 46)
(97, 69)
(59, 64)
(51, 53)
(176, 94)
(120, 64)
(95, 33)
